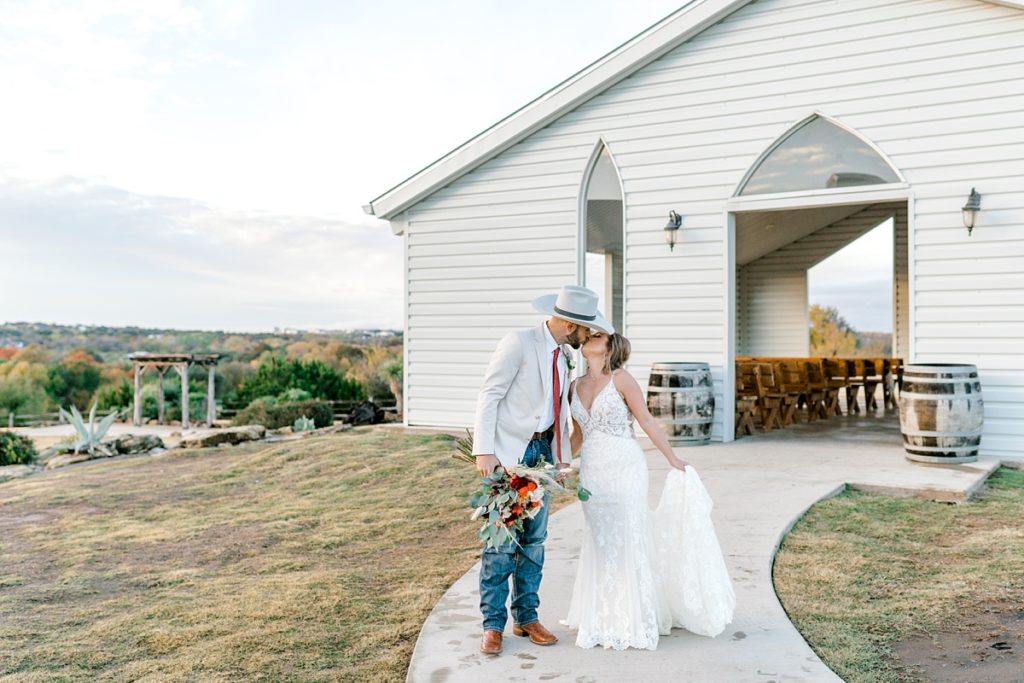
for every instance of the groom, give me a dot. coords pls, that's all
(522, 415)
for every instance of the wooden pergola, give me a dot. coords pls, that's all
(182, 363)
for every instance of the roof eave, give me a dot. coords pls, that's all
(641, 50)
(648, 46)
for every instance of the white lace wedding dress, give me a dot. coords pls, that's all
(641, 572)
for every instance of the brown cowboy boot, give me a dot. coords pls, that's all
(490, 644)
(537, 633)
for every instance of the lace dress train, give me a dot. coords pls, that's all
(641, 572)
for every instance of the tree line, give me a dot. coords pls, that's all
(46, 367)
(833, 336)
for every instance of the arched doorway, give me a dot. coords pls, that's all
(819, 187)
(601, 234)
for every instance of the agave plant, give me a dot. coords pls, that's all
(303, 424)
(89, 436)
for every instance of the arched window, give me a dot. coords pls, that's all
(602, 235)
(817, 154)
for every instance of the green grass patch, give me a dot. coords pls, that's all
(861, 572)
(315, 560)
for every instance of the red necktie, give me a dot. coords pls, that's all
(556, 384)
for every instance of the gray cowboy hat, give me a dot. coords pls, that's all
(575, 304)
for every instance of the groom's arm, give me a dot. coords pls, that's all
(501, 371)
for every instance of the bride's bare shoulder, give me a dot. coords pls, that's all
(623, 380)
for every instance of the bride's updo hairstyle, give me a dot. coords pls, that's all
(618, 352)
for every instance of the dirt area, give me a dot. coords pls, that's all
(988, 648)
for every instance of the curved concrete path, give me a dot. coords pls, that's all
(761, 486)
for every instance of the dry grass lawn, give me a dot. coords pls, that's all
(315, 560)
(860, 574)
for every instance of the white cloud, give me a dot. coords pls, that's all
(79, 252)
(264, 116)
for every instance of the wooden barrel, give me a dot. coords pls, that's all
(941, 412)
(681, 397)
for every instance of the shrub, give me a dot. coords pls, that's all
(293, 395)
(274, 416)
(276, 376)
(16, 449)
(118, 396)
(74, 379)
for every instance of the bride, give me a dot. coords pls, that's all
(641, 572)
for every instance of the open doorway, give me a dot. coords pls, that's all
(850, 293)
(818, 188)
(779, 254)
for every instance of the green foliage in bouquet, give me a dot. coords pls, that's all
(16, 449)
(568, 480)
(509, 496)
(464, 448)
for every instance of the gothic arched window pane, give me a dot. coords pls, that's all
(816, 156)
(602, 237)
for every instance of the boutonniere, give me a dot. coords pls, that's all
(568, 355)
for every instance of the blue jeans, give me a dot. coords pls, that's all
(524, 563)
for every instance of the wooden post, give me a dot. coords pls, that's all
(183, 369)
(137, 418)
(160, 397)
(10, 419)
(211, 399)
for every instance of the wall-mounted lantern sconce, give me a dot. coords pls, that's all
(672, 229)
(971, 209)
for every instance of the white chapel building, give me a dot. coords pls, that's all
(779, 131)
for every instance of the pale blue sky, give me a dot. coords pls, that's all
(203, 164)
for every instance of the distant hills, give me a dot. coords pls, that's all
(112, 344)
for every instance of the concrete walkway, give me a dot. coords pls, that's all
(761, 486)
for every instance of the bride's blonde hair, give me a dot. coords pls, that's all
(618, 352)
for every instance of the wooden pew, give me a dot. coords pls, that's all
(746, 403)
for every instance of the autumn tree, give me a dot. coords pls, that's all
(831, 335)
(74, 379)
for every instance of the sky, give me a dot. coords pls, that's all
(203, 164)
(857, 280)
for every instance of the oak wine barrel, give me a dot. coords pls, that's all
(681, 397)
(941, 412)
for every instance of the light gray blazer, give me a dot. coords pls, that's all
(512, 398)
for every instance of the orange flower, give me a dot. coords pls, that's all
(532, 486)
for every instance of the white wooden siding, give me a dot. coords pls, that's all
(774, 311)
(935, 84)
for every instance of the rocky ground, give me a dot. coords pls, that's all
(125, 439)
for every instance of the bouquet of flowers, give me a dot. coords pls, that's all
(509, 496)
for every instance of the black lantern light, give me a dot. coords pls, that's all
(971, 209)
(672, 229)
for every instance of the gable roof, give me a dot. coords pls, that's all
(664, 36)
